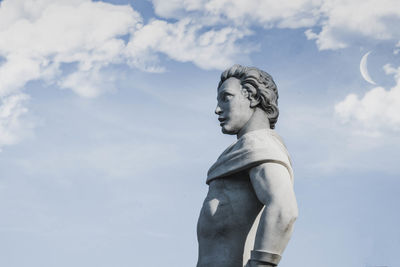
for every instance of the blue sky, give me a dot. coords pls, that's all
(107, 126)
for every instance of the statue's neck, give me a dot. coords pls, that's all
(259, 120)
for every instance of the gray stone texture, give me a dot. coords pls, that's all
(248, 214)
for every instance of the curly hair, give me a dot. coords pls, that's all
(260, 87)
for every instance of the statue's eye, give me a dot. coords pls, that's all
(227, 97)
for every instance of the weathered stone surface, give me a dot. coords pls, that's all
(248, 215)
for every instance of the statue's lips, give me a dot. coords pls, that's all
(221, 120)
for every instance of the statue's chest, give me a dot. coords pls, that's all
(230, 203)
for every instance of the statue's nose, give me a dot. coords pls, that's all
(218, 110)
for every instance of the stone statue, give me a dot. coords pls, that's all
(248, 215)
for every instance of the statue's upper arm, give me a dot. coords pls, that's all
(271, 181)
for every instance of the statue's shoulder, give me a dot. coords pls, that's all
(250, 150)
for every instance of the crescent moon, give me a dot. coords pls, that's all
(364, 69)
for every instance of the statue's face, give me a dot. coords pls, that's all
(233, 108)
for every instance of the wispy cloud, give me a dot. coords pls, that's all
(13, 123)
(186, 41)
(377, 111)
(38, 38)
(268, 14)
(333, 24)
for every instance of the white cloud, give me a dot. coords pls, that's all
(377, 111)
(37, 37)
(267, 13)
(186, 41)
(89, 83)
(13, 127)
(343, 22)
(16, 72)
(88, 33)
(333, 24)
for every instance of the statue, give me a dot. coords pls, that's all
(248, 215)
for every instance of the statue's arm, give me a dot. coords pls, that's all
(274, 188)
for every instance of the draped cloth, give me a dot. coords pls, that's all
(250, 150)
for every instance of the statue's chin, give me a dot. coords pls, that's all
(227, 131)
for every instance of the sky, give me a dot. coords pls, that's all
(107, 125)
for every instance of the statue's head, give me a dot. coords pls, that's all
(241, 90)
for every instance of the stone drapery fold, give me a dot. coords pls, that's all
(252, 149)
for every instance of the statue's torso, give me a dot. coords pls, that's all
(226, 217)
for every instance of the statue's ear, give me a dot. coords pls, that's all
(253, 101)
